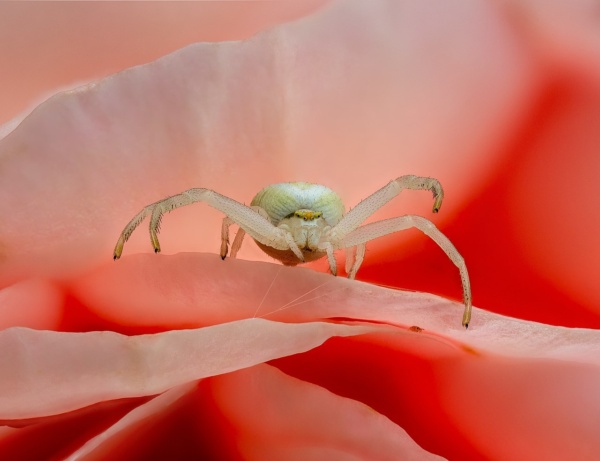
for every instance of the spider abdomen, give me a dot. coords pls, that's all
(283, 199)
(288, 257)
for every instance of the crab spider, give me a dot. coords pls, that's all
(299, 222)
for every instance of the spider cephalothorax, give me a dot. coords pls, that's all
(297, 222)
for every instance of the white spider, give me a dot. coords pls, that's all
(299, 222)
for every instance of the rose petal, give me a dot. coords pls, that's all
(237, 116)
(84, 368)
(48, 46)
(31, 303)
(260, 400)
(529, 237)
(494, 349)
(482, 405)
(105, 444)
(57, 436)
(564, 33)
(448, 353)
(199, 289)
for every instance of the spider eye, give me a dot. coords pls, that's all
(305, 218)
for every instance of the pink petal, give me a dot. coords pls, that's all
(467, 383)
(57, 436)
(278, 417)
(31, 303)
(529, 237)
(466, 403)
(79, 369)
(446, 374)
(118, 436)
(236, 116)
(199, 289)
(257, 402)
(564, 33)
(51, 45)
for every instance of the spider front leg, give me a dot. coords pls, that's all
(380, 228)
(129, 228)
(253, 223)
(357, 215)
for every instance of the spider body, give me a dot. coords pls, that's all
(299, 222)
(306, 211)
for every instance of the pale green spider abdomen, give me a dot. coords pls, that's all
(283, 199)
(305, 211)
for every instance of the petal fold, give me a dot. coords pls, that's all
(48, 372)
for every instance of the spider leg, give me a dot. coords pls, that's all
(328, 247)
(357, 215)
(380, 228)
(239, 237)
(237, 242)
(129, 228)
(350, 258)
(353, 265)
(225, 236)
(251, 221)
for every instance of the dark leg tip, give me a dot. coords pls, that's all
(223, 258)
(156, 250)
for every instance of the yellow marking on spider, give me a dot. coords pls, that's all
(308, 215)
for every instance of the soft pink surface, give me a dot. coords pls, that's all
(499, 101)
